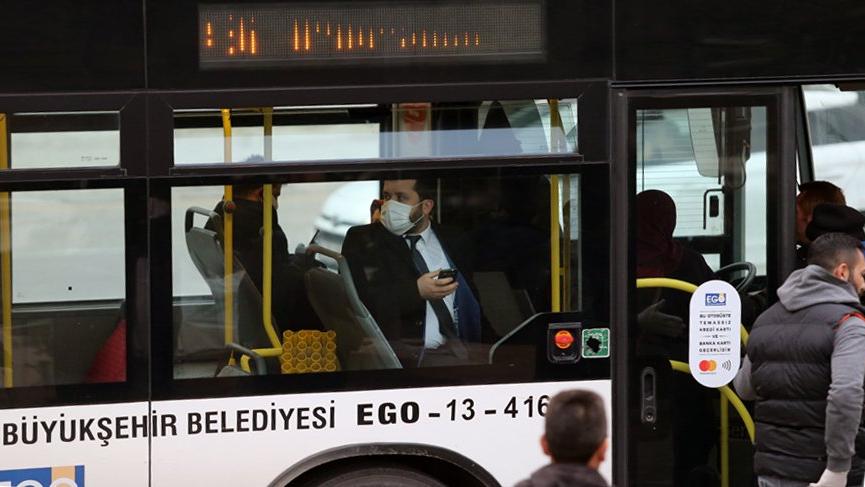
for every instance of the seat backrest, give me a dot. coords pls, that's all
(502, 305)
(205, 249)
(360, 342)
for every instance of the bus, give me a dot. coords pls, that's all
(138, 348)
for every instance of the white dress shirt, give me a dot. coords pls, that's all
(434, 255)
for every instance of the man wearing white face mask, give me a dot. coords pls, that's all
(291, 309)
(395, 264)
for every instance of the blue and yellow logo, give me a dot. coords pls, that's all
(716, 299)
(72, 476)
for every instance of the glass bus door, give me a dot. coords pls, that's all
(709, 174)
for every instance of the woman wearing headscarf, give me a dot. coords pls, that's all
(663, 333)
(658, 255)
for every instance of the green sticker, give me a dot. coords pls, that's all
(596, 343)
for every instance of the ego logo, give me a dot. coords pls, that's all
(43, 477)
(716, 299)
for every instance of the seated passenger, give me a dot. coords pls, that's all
(395, 263)
(290, 306)
(810, 195)
(658, 255)
(663, 321)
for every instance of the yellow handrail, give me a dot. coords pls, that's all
(263, 352)
(267, 264)
(555, 257)
(647, 282)
(6, 260)
(728, 394)
(228, 234)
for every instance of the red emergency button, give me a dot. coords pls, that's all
(564, 339)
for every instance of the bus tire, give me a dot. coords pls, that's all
(372, 475)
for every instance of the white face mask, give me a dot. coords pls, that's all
(275, 203)
(396, 217)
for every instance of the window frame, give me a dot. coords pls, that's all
(166, 387)
(781, 178)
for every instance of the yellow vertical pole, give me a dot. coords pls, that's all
(267, 274)
(555, 258)
(267, 203)
(228, 233)
(564, 195)
(6, 259)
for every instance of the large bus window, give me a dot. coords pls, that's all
(355, 264)
(404, 130)
(67, 286)
(836, 122)
(62, 140)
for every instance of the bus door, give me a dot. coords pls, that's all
(712, 178)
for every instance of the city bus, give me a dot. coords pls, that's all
(138, 348)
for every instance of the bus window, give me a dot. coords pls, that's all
(397, 131)
(836, 122)
(63, 140)
(369, 286)
(67, 287)
(681, 152)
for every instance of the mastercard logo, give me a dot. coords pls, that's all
(708, 365)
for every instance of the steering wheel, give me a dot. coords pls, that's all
(740, 283)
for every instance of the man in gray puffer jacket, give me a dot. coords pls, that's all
(806, 370)
(575, 438)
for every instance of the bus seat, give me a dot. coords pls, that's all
(109, 364)
(503, 306)
(360, 342)
(205, 249)
(257, 364)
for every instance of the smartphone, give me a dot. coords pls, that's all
(445, 273)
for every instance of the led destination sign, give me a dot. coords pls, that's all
(286, 34)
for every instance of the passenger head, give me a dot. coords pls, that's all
(841, 255)
(657, 253)
(408, 204)
(575, 428)
(810, 195)
(829, 217)
(255, 192)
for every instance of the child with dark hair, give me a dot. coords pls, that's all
(575, 439)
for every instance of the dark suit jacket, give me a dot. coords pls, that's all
(290, 307)
(386, 281)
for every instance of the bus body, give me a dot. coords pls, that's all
(137, 351)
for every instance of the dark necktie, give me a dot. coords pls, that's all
(443, 316)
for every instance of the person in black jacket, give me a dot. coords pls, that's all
(575, 439)
(659, 255)
(663, 333)
(805, 370)
(290, 307)
(395, 264)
